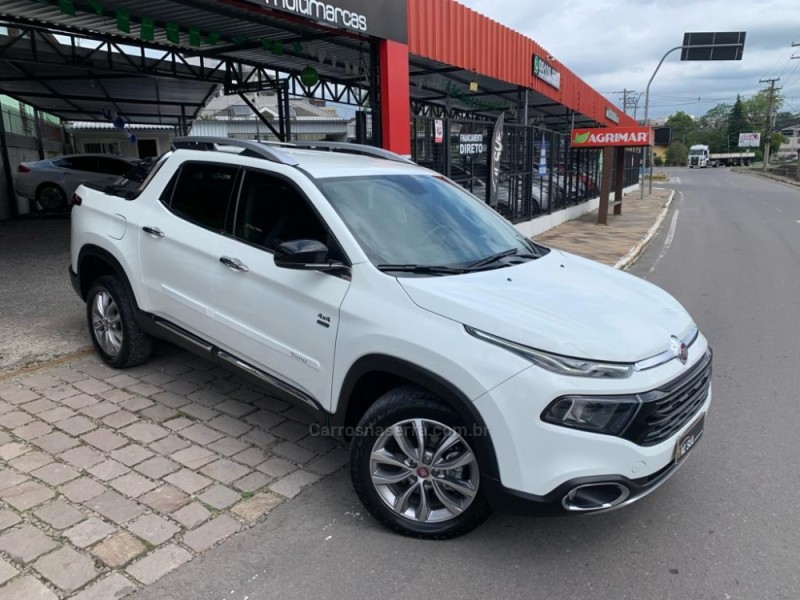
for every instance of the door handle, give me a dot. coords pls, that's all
(154, 231)
(234, 264)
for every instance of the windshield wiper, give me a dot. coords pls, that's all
(424, 269)
(495, 257)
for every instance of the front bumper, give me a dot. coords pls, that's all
(540, 463)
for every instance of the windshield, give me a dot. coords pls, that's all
(423, 220)
(696, 152)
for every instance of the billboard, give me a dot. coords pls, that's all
(545, 71)
(749, 140)
(662, 135)
(713, 45)
(611, 136)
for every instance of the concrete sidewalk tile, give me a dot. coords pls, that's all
(122, 380)
(31, 431)
(7, 519)
(82, 457)
(178, 424)
(235, 408)
(135, 403)
(207, 397)
(59, 514)
(331, 462)
(116, 396)
(7, 407)
(252, 509)
(291, 431)
(92, 386)
(233, 427)
(319, 444)
(66, 373)
(226, 386)
(60, 392)
(153, 529)
(158, 378)
(250, 457)
(67, 569)
(131, 455)
(7, 571)
(59, 413)
(225, 470)
(14, 419)
(145, 433)
(100, 410)
(157, 467)
(119, 549)
(114, 507)
(271, 404)
(157, 564)
(119, 419)
(26, 495)
(174, 397)
(296, 413)
(252, 482)
(166, 499)
(113, 587)
(27, 588)
(12, 450)
(108, 470)
(104, 439)
(159, 413)
(26, 543)
(262, 439)
(199, 412)
(77, 425)
(276, 467)
(194, 457)
(144, 389)
(265, 419)
(55, 473)
(219, 497)
(191, 515)
(56, 442)
(81, 490)
(9, 479)
(246, 394)
(39, 381)
(133, 485)
(80, 401)
(188, 481)
(213, 532)
(169, 445)
(91, 531)
(291, 485)
(15, 394)
(293, 452)
(228, 446)
(200, 434)
(38, 406)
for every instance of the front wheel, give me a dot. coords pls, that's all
(116, 336)
(414, 467)
(51, 197)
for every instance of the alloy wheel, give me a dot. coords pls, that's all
(107, 323)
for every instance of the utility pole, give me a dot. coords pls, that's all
(629, 99)
(768, 129)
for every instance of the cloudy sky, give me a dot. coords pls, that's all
(616, 44)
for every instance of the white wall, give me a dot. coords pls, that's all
(81, 137)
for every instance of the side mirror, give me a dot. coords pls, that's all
(306, 255)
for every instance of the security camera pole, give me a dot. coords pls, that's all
(727, 45)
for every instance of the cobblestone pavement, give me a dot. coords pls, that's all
(609, 243)
(111, 479)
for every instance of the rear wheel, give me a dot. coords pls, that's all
(51, 197)
(414, 467)
(116, 336)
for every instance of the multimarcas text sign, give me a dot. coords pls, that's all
(611, 136)
(385, 19)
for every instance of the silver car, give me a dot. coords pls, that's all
(52, 181)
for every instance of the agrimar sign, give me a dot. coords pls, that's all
(611, 136)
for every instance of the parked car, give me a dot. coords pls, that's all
(469, 367)
(52, 181)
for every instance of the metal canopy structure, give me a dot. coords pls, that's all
(74, 66)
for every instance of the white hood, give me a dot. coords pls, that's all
(560, 303)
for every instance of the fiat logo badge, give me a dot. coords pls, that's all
(680, 349)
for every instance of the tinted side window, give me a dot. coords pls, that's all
(83, 163)
(202, 194)
(113, 166)
(271, 212)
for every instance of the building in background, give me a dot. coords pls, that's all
(98, 137)
(791, 142)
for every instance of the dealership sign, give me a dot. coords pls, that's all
(546, 72)
(749, 140)
(611, 136)
(385, 19)
(470, 144)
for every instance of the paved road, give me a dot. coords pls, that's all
(725, 527)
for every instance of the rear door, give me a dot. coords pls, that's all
(178, 244)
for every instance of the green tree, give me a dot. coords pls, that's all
(737, 123)
(683, 127)
(677, 154)
(716, 118)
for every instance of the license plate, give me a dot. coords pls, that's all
(688, 440)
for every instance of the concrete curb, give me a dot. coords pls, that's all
(635, 252)
(770, 176)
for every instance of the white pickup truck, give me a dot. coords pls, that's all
(468, 366)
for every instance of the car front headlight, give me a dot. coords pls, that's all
(609, 415)
(563, 365)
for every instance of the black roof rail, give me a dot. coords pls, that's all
(250, 147)
(348, 148)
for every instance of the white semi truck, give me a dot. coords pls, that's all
(699, 156)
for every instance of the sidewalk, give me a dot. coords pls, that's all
(621, 241)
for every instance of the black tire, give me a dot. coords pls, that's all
(51, 197)
(398, 405)
(135, 346)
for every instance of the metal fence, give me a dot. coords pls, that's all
(539, 172)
